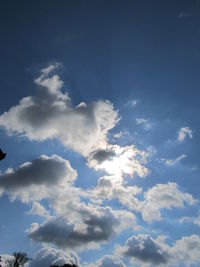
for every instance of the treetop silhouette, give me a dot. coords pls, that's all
(2, 155)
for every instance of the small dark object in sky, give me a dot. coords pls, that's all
(2, 155)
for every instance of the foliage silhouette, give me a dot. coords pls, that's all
(2, 155)
(20, 258)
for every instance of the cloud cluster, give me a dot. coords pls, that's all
(80, 225)
(160, 196)
(84, 127)
(76, 223)
(163, 196)
(75, 218)
(51, 256)
(50, 114)
(146, 251)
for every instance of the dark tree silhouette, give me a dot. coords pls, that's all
(2, 154)
(20, 258)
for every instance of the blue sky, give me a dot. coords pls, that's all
(99, 117)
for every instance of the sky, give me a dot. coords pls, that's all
(99, 117)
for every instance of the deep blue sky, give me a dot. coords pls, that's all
(119, 51)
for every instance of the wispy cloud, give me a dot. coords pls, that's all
(121, 134)
(183, 133)
(194, 220)
(184, 15)
(132, 103)
(172, 162)
(146, 124)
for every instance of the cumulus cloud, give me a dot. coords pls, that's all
(172, 162)
(186, 250)
(51, 256)
(183, 133)
(145, 249)
(50, 114)
(110, 187)
(163, 196)
(160, 196)
(42, 178)
(95, 228)
(76, 223)
(108, 261)
(84, 128)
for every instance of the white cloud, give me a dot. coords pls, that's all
(6, 260)
(83, 225)
(110, 187)
(96, 228)
(118, 135)
(160, 196)
(108, 261)
(172, 162)
(163, 196)
(51, 256)
(194, 220)
(144, 123)
(50, 114)
(116, 160)
(32, 182)
(146, 251)
(84, 128)
(91, 227)
(51, 67)
(186, 250)
(132, 102)
(121, 134)
(38, 209)
(183, 133)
